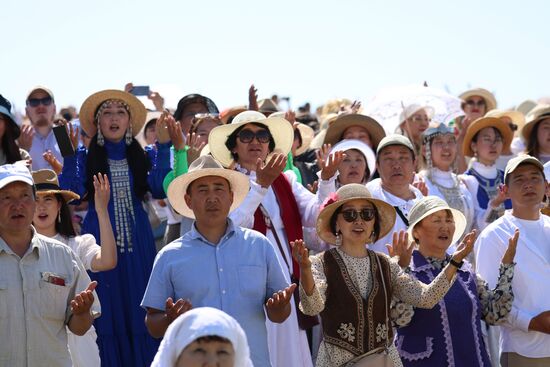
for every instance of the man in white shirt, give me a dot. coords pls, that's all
(395, 162)
(39, 137)
(525, 339)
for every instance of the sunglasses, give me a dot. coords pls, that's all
(246, 136)
(475, 103)
(34, 102)
(351, 215)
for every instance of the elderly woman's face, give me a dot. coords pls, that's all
(252, 144)
(355, 221)
(207, 353)
(114, 122)
(435, 232)
(358, 133)
(443, 149)
(353, 168)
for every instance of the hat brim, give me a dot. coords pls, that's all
(529, 125)
(341, 123)
(177, 189)
(280, 129)
(459, 218)
(92, 103)
(386, 213)
(67, 195)
(482, 123)
(490, 101)
(307, 135)
(15, 178)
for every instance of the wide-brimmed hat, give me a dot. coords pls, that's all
(46, 183)
(539, 113)
(432, 204)
(267, 105)
(411, 109)
(5, 109)
(367, 152)
(526, 106)
(519, 160)
(280, 129)
(92, 103)
(306, 132)
(517, 117)
(490, 100)
(201, 167)
(346, 193)
(480, 124)
(337, 127)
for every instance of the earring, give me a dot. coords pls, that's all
(59, 216)
(372, 236)
(338, 239)
(129, 135)
(100, 138)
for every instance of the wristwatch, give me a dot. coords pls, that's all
(456, 264)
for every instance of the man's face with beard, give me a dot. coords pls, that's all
(40, 109)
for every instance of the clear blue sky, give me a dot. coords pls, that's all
(308, 50)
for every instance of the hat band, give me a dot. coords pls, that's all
(47, 186)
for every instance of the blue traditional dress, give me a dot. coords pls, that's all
(122, 336)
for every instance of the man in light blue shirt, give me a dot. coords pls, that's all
(217, 264)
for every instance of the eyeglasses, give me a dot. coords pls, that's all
(34, 102)
(475, 103)
(246, 136)
(351, 215)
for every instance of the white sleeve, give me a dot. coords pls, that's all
(518, 319)
(243, 216)
(86, 249)
(480, 216)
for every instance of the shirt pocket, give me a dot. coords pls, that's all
(414, 348)
(54, 300)
(252, 281)
(3, 299)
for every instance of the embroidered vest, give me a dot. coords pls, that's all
(349, 321)
(488, 188)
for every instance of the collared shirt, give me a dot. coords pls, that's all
(237, 276)
(40, 145)
(33, 310)
(530, 284)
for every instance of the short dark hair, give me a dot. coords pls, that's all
(231, 141)
(375, 230)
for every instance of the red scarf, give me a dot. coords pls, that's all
(290, 214)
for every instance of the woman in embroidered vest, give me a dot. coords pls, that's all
(276, 205)
(536, 133)
(485, 140)
(346, 284)
(113, 117)
(449, 334)
(53, 219)
(439, 150)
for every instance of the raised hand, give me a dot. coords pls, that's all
(128, 87)
(322, 155)
(26, 136)
(465, 247)
(83, 301)
(175, 134)
(102, 193)
(500, 198)
(300, 253)
(281, 299)
(421, 186)
(355, 106)
(290, 116)
(510, 253)
(330, 166)
(48, 156)
(157, 100)
(401, 247)
(313, 187)
(174, 310)
(268, 172)
(194, 143)
(253, 98)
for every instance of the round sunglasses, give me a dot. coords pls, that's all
(351, 215)
(246, 136)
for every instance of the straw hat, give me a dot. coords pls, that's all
(280, 129)
(342, 122)
(490, 101)
(539, 113)
(517, 117)
(267, 106)
(432, 204)
(92, 103)
(480, 124)
(367, 152)
(201, 167)
(46, 182)
(346, 193)
(306, 133)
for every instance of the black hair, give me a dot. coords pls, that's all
(298, 134)
(137, 162)
(9, 146)
(65, 226)
(375, 229)
(212, 338)
(533, 147)
(231, 141)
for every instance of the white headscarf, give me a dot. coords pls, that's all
(197, 323)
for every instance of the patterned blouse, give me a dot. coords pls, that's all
(404, 286)
(495, 304)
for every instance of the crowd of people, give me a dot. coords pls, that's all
(254, 236)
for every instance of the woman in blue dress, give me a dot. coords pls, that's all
(113, 118)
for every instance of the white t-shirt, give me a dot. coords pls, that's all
(85, 247)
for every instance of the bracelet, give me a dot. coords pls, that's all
(456, 264)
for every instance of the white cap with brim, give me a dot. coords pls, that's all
(432, 204)
(10, 173)
(521, 159)
(394, 139)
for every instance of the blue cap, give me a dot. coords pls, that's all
(18, 172)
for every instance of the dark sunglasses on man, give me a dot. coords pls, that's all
(246, 136)
(34, 102)
(351, 215)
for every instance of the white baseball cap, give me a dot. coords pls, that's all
(10, 173)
